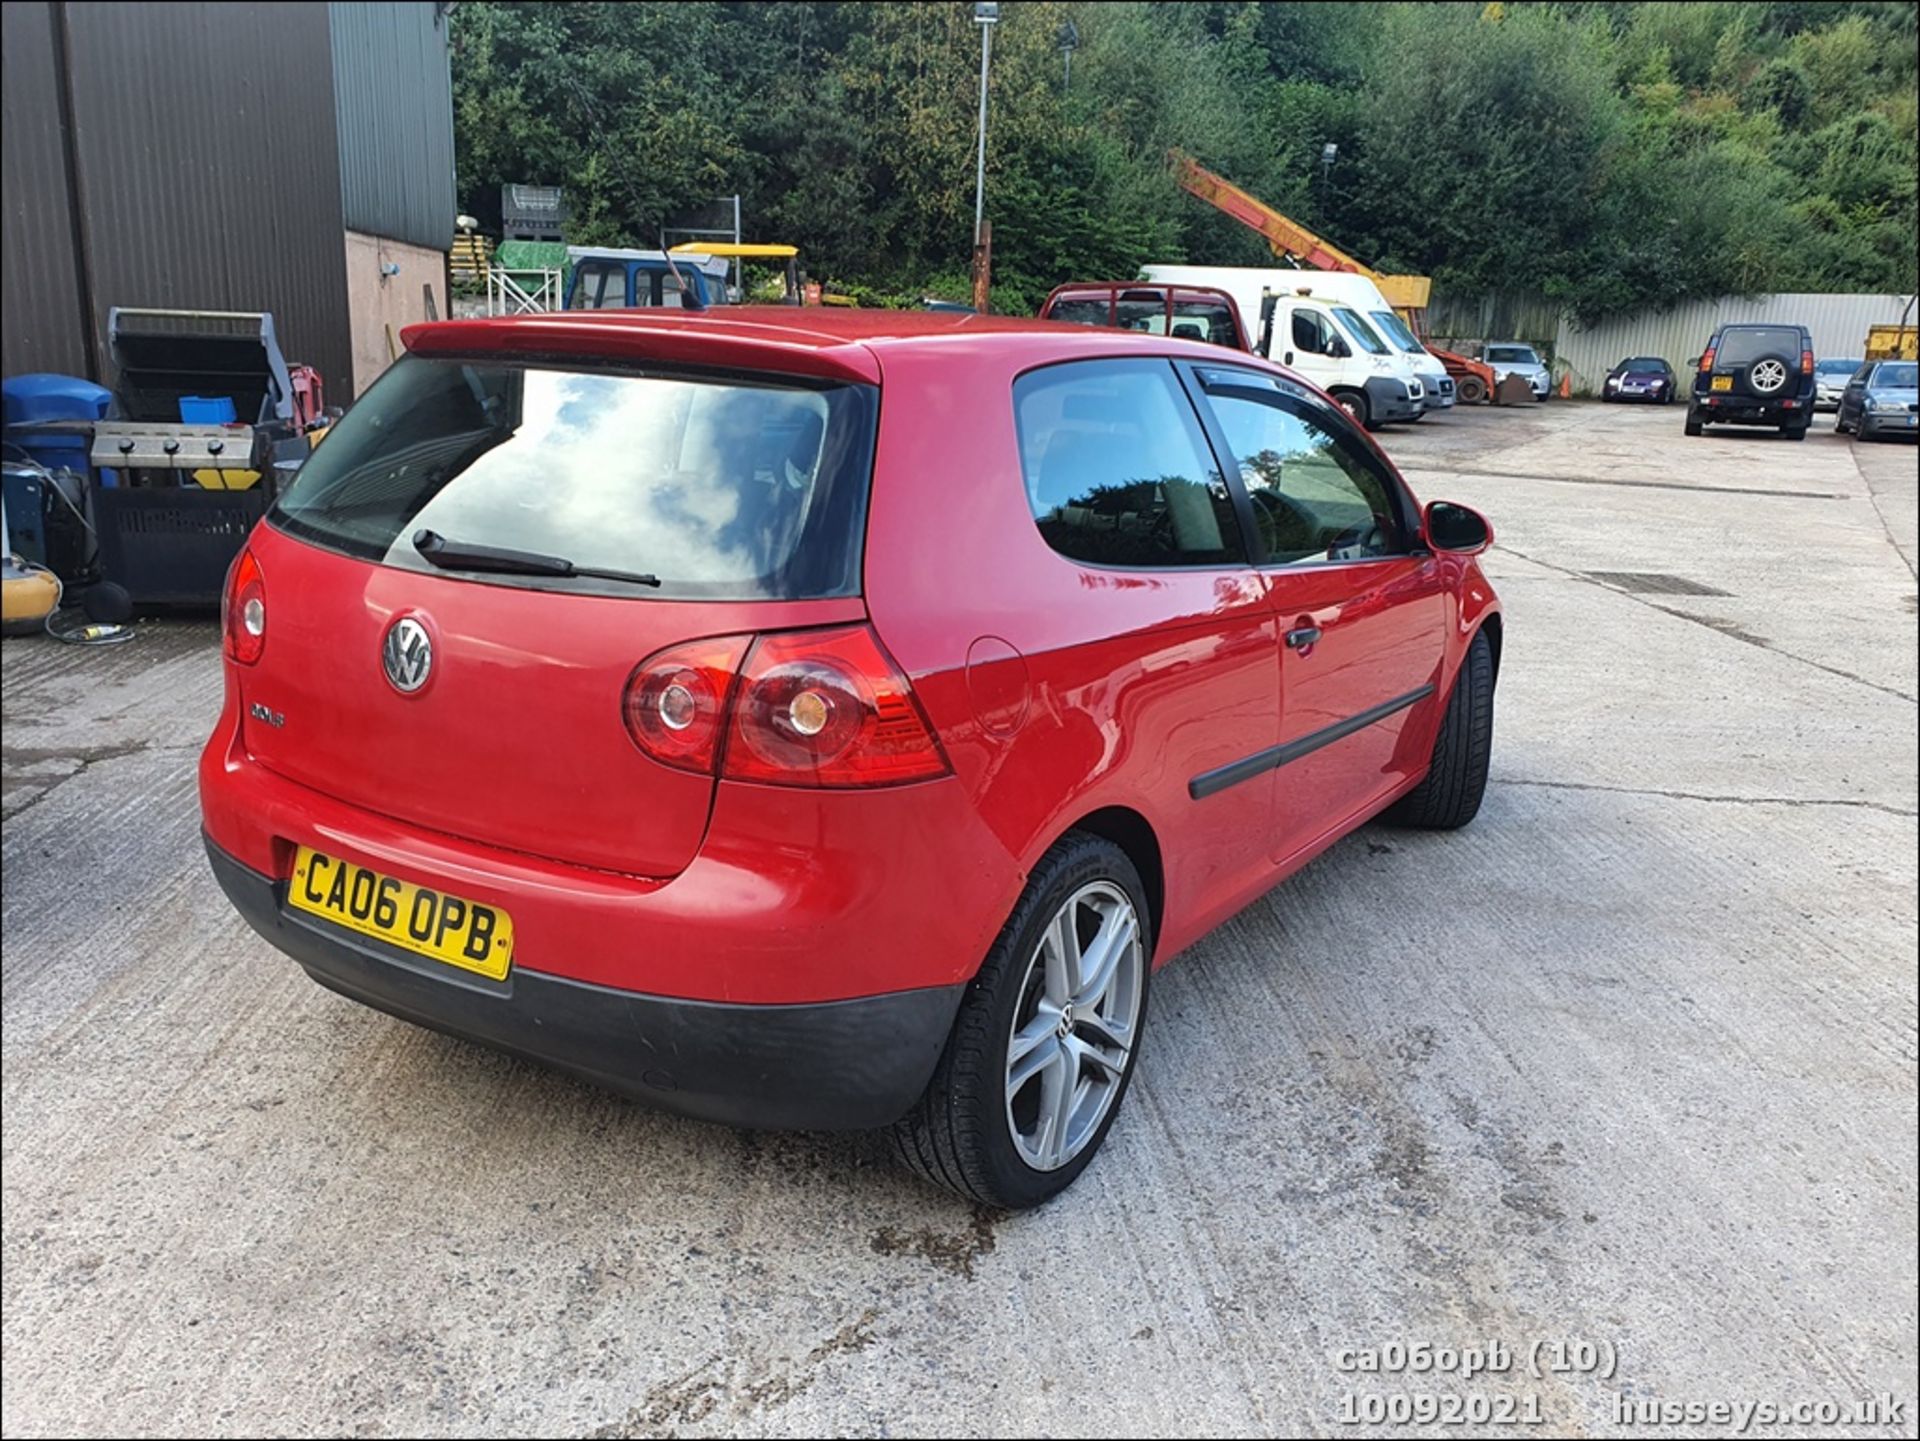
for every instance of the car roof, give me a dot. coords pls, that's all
(830, 342)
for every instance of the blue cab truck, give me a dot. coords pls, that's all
(605, 279)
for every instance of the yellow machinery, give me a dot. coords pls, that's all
(1892, 342)
(1290, 240)
(809, 293)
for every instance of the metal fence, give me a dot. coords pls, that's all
(1492, 315)
(1839, 324)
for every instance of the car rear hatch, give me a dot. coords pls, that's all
(1759, 362)
(500, 718)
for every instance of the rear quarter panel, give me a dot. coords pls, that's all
(1090, 688)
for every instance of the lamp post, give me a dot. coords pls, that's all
(1069, 42)
(986, 16)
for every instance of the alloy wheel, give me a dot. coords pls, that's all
(1075, 1025)
(1767, 376)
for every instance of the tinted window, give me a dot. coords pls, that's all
(730, 491)
(1742, 344)
(1117, 470)
(1316, 495)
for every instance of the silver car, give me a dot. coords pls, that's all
(1830, 377)
(1507, 358)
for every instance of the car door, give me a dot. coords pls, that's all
(1146, 637)
(1360, 606)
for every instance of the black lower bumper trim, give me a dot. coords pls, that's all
(826, 1066)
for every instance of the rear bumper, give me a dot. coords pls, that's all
(1726, 408)
(832, 1065)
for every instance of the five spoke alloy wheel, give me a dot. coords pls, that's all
(1074, 1025)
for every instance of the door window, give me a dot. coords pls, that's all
(1312, 333)
(1117, 469)
(1317, 497)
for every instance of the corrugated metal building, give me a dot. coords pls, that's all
(294, 158)
(1838, 322)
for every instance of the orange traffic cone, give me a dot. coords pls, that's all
(1566, 386)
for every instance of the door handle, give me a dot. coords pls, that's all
(1303, 636)
(1287, 359)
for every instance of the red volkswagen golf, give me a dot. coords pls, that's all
(823, 719)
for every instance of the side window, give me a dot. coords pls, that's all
(1316, 496)
(601, 287)
(1860, 375)
(1117, 470)
(1306, 332)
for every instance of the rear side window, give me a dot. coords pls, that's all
(1117, 470)
(1744, 344)
(725, 489)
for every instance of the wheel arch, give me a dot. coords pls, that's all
(1134, 834)
(1495, 630)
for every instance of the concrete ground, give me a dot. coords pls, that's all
(1628, 1064)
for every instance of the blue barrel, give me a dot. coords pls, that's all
(31, 400)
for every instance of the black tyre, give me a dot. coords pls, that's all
(1354, 402)
(1794, 432)
(1693, 423)
(1047, 1036)
(1471, 390)
(1450, 795)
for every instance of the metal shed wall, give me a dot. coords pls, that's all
(1838, 322)
(393, 108)
(203, 139)
(40, 280)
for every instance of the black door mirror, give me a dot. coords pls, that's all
(1456, 528)
(1338, 348)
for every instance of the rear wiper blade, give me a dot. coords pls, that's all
(437, 550)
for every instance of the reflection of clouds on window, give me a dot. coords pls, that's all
(704, 483)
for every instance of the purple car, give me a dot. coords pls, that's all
(1644, 377)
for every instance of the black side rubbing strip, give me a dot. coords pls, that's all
(1260, 762)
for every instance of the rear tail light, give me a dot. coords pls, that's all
(1706, 360)
(676, 701)
(805, 708)
(244, 628)
(1806, 362)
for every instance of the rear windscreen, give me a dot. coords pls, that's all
(1743, 344)
(724, 488)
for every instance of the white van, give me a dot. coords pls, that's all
(1323, 338)
(1363, 295)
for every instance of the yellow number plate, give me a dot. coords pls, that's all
(1723, 382)
(460, 932)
